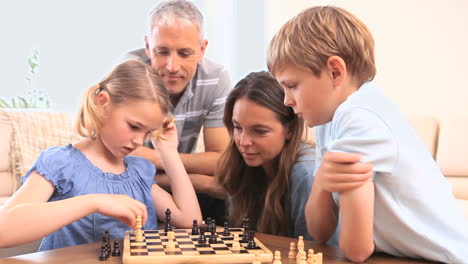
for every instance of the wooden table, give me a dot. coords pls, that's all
(89, 253)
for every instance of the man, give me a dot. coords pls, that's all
(175, 47)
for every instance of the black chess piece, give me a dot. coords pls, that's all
(107, 235)
(168, 226)
(202, 238)
(116, 249)
(226, 231)
(245, 225)
(103, 255)
(251, 242)
(208, 224)
(195, 227)
(212, 239)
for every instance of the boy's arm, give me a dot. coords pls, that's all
(338, 172)
(357, 222)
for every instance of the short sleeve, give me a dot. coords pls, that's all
(144, 168)
(214, 116)
(300, 186)
(362, 131)
(53, 166)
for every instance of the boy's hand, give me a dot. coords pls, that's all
(121, 207)
(341, 171)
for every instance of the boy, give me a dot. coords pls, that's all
(372, 169)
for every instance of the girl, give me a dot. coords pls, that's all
(272, 182)
(73, 193)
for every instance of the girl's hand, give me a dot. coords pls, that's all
(121, 207)
(342, 171)
(166, 137)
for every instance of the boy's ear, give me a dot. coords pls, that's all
(336, 68)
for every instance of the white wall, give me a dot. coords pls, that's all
(421, 49)
(421, 46)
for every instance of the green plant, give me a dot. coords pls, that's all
(35, 97)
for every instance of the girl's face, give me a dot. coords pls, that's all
(258, 134)
(125, 126)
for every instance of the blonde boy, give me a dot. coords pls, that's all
(372, 169)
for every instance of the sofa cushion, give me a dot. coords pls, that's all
(452, 148)
(5, 131)
(34, 131)
(428, 130)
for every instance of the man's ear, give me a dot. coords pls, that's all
(336, 69)
(147, 47)
(203, 46)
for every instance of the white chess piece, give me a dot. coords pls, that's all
(277, 259)
(236, 244)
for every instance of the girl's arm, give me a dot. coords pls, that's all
(356, 239)
(27, 216)
(183, 202)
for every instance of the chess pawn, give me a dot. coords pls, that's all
(170, 241)
(195, 227)
(202, 238)
(251, 241)
(226, 231)
(277, 259)
(257, 259)
(116, 250)
(168, 226)
(103, 255)
(310, 256)
(236, 243)
(292, 250)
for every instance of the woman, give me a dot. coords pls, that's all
(267, 168)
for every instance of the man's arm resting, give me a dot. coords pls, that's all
(201, 184)
(216, 140)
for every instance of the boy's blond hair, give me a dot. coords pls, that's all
(317, 33)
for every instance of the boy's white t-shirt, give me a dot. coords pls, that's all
(415, 212)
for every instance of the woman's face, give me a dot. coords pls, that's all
(258, 134)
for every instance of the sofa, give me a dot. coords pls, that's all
(23, 134)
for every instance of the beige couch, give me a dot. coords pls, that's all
(24, 134)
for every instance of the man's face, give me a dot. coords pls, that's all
(174, 51)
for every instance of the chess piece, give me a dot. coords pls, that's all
(212, 239)
(195, 227)
(300, 248)
(226, 231)
(116, 249)
(251, 242)
(309, 256)
(236, 244)
(170, 246)
(245, 225)
(292, 250)
(107, 235)
(257, 259)
(168, 226)
(202, 238)
(302, 257)
(103, 255)
(208, 224)
(277, 259)
(317, 258)
(138, 233)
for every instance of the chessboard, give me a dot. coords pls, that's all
(187, 249)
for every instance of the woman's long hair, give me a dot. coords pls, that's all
(253, 194)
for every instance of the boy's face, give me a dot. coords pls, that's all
(313, 98)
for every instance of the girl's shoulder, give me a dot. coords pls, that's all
(140, 165)
(63, 154)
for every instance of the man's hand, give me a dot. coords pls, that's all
(342, 171)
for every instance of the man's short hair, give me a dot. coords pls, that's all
(170, 11)
(317, 33)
